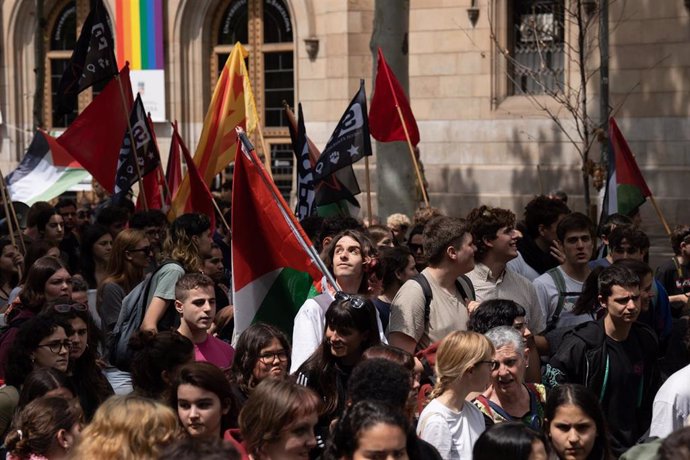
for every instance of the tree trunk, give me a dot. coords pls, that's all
(397, 189)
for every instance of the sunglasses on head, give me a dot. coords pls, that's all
(66, 307)
(355, 301)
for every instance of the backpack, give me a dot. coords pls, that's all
(559, 281)
(428, 356)
(129, 321)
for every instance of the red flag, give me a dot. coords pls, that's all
(200, 198)
(95, 136)
(384, 120)
(173, 173)
(152, 188)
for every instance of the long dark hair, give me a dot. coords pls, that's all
(39, 382)
(33, 293)
(30, 334)
(582, 397)
(321, 365)
(210, 378)
(92, 386)
(587, 302)
(507, 440)
(88, 265)
(255, 338)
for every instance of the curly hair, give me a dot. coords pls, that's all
(128, 428)
(543, 210)
(180, 245)
(484, 223)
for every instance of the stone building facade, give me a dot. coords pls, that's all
(482, 139)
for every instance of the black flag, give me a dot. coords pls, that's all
(349, 142)
(146, 152)
(93, 58)
(305, 176)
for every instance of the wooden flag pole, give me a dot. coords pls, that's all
(8, 217)
(220, 213)
(414, 158)
(134, 145)
(661, 215)
(13, 214)
(366, 171)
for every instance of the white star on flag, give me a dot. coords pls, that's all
(354, 150)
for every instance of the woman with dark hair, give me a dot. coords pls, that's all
(35, 251)
(46, 280)
(415, 241)
(41, 342)
(398, 266)
(511, 440)
(45, 381)
(262, 351)
(47, 428)
(202, 398)
(575, 424)
(372, 426)
(351, 257)
(278, 421)
(187, 244)
(96, 247)
(51, 226)
(84, 371)
(351, 328)
(11, 262)
(156, 360)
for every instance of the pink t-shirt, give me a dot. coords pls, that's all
(214, 351)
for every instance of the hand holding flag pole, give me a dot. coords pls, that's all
(248, 150)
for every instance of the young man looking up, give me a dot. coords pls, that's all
(615, 357)
(559, 288)
(195, 301)
(450, 251)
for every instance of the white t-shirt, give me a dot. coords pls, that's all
(671, 404)
(452, 433)
(547, 294)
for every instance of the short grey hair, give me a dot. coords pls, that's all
(502, 336)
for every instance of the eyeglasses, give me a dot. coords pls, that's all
(145, 250)
(356, 302)
(270, 357)
(66, 307)
(493, 364)
(57, 346)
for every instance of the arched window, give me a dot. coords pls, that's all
(265, 28)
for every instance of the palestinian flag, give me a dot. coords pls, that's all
(46, 171)
(272, 270)
(626, 189)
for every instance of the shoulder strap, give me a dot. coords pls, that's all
(464, 285)
(428, 295)
(559, 281)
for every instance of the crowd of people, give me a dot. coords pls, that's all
(491, 336)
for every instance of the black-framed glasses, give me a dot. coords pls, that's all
(57, 345)
(67, 307)
(493, 364)
(145, 249)
(270, 357)
(355, 301)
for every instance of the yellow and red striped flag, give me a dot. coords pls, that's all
(232, 105)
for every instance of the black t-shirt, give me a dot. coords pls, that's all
(539, 260)
(624, 389)
(676, 280)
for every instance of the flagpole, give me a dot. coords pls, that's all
(160, 163)
(134, 145)
(267, 153)
(8, 217)
(366, 171)
(661, 215)
(12, 219)
(414, 158)
(284, 211)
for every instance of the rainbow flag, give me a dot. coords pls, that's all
(139, 33)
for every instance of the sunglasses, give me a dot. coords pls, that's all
(356, 302)
(66, 307)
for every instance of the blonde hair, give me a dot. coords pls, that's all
(128, 428)
(397, 220)
(458, 352)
